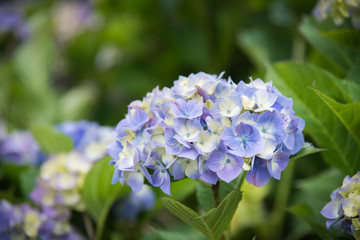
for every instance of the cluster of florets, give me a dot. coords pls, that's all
(62, 176)
(338, 10)
(20, 148)
(208, 128)
(24, 222)
(343, 209)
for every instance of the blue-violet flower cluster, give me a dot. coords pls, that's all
(338, 10)
(208, 128)
(20, 148)
(343, 209)
(24, 222)
(62, 176)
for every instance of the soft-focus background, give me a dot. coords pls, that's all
(65, 60)
(73, 60)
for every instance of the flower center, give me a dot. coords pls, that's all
(227, 160)
(244, 141)
(162, 170)
(264, 130)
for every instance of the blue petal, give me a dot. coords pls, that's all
(332, 210)
(229, 172)
(216, 161)
(178, 170)
(116, 176)
(278, 164)
(259, 174)
(165, 187)
(136, 181)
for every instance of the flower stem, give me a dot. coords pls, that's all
(88, 226)
(216, 193)
(216, 198)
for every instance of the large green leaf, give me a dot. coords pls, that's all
(349, 114)
(99, 194)
(76, 102)
(33, 61)
(352, 88)
(354, 73)
(214, 222)
(50, 140)
(331, 44)
(294, 80)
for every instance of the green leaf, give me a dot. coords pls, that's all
(349, 114)
(27, 180)
(204, 196)
(335, 50)
(76, 103)
(213, 223)
(304, 212)
(306, 150)
(293, 80)
(356, 235)
(348, 37)
(50, 140)
(162, 235)
(99, 194)
(352, 88)
(33, 61)
(354, 73)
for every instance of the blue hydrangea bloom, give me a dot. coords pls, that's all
(24, 222)
(209, 128)
(338, 10)
(20, 148)
(343, 209)
(62, 175)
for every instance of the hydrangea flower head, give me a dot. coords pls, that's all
(343, 209)
(24, 222)
(62, 176)
(338, 10)
(20, 148)
(208, 128)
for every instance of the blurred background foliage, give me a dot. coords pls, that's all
(81, 59)
(72, 60)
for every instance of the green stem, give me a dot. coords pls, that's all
(216, 197)
(281, 200)
(216, 193)
(89, 226)
(298, 48)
